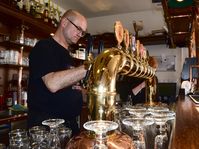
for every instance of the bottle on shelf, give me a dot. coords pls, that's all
(26, 6)
(46, 11)
(51, 13)
(38, 9)
(56, 15)
(14, 88)
(20, 4)
(8, 96)
(24, 84)
(2, 102)
(32, 8)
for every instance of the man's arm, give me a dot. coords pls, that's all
(55, 81)
(138, 88)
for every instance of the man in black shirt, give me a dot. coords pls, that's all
(51, 92)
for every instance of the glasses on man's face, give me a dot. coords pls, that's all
(83, 33)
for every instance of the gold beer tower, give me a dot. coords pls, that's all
(101, 86)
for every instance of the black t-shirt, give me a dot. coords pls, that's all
(49, 56)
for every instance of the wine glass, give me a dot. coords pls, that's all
(54, 141)
(65, 134)
(38, 137)
(161, 118)
(137, 124)
(100, 127)
(155, 109)
(138, 111)
(18, 139)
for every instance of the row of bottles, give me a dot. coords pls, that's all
(11, 94)
(44, 10)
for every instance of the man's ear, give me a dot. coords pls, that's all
(63, 22)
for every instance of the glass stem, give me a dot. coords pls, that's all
(55, 142)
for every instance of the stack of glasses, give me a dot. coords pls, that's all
(39, 137)
(149, 127)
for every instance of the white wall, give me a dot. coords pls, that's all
(170, 76)
(152, 20)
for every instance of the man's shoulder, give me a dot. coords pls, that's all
(45, 41)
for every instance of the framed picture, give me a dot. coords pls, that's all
(166, 62)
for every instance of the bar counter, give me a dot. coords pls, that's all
(186, 133)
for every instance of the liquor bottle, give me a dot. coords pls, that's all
(38, 9)
(14, 89)
(2, 103)
(51, 12)
(32, 7)
(20, 4)
(21, 38)
(55, 20)
(46, 11)
(27, 5)
(24, 84)
(57, 14)
(8, 96)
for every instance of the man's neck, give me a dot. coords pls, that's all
(60, 41)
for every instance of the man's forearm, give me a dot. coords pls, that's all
(55, 81)
(138, 88)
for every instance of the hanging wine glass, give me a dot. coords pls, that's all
(54, 142)
(137, 124)
(100, 127)
(161, 118)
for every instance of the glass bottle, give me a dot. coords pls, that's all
(32, 7)
(51, 13)
(38, 9)
(8, 96)
(46, 11)
(27, 5)
(55, 21)
(20, 4)
(14, 88)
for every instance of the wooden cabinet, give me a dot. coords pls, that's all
(19, 32)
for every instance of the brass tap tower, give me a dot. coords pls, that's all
(106, 66)
(101, 87)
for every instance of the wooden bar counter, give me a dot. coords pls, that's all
(186, 133)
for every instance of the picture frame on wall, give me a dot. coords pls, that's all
(166, 62)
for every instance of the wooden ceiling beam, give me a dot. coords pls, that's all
(179, 22)
(166, 15)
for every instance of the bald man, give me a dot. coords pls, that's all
(52, 75)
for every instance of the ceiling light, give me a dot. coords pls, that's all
(180, 0)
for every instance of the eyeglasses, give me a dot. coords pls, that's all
(83, 33)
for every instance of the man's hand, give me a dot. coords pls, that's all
(87, 63)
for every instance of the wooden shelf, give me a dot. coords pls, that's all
(14, 17)
(13, 66)
(15, 45)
